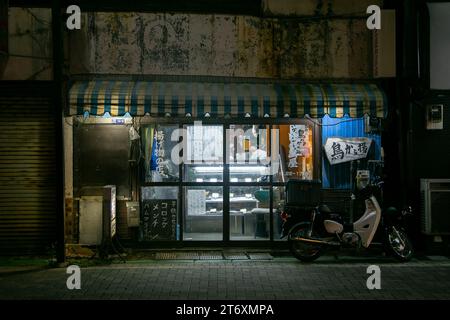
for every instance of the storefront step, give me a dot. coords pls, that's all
(189, 255)
(235, 256)
(210, 255)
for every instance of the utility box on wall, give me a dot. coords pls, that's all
(133, 214)
(434, 116)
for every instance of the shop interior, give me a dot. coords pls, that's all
(238, 177)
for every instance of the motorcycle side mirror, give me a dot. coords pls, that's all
(407, 211)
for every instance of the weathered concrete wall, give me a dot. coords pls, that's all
(220, 45)
(316, 7)
(30, 45)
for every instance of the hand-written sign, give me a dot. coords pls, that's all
(159, 218)
(340, 150)
(160, 152)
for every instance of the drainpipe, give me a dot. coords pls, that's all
(58, 118)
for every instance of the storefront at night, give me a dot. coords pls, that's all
(207, 162)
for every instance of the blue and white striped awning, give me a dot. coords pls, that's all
(218, 99)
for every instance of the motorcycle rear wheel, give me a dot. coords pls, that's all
(303, 251)
(399, 244)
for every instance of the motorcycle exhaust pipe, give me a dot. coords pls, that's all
(326, 243)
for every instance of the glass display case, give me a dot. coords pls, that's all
(203, 172)
(203, 213)
(238, 173)
(249, 213)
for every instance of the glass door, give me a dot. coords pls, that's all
(203, 183)
(249, 172)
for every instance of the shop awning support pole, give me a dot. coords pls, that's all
(59, 139)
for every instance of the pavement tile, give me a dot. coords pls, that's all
(252, 279)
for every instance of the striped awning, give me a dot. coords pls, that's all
(218, 99)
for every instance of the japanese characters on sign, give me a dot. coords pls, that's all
(196, 202)
(298, 144)
(160, 152)
(339, 150)
(159, 219)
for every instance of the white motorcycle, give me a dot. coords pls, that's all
(311, 230)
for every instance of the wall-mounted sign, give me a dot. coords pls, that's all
(340, 150)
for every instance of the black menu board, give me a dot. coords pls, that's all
(159, 219)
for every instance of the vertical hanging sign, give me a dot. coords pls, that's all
(298, 144)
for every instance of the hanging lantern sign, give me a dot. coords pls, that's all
(339, 150)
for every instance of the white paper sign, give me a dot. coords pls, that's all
(298, 144)
(340, 150)
(196, 202)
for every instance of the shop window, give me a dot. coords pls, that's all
(248, 153)
(296, 152)
(204, 158)
(203, 210)
(249, 213)
(159, 214)
(157, 148)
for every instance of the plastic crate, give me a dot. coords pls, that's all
(303, 193)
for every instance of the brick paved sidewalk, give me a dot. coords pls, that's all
(280, 278)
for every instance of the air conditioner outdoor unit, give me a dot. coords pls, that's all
(435, 206)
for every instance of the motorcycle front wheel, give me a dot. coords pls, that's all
(398, 243)
(303, 251)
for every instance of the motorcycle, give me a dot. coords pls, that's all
(311, 230)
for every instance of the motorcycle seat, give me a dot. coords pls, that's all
(323, 208)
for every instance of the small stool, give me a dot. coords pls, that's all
(260, 222)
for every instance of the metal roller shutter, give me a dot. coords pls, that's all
(27, 174)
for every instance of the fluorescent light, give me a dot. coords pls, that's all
(246, 169)
(208, 169)
(233, 169)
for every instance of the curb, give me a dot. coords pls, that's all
(7, 271)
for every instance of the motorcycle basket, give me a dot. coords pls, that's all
(303, 193)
